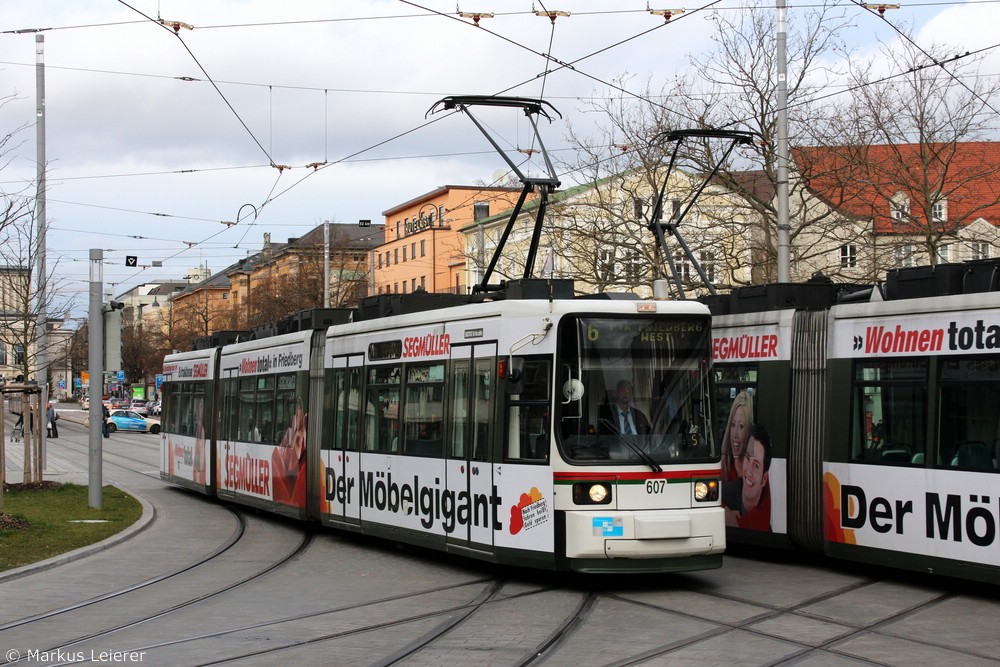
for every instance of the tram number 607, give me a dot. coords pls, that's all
(655, 485)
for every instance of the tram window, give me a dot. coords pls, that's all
(168, 408)
(889, 411)
(248, 431)
(360, 414)
(383, 394)
(731, 381)
(968, 409)
(198, 411)
(663, 362)
(183, 409)
(423, 410)
(482, 408)
(459, 407)
(333, 426)
(284, 409)
(264, 413)
(230, 409)
(529, 424)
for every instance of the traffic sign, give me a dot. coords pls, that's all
(120, 376)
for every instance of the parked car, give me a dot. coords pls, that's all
(130, 420)
(139, 405)
(153, 408)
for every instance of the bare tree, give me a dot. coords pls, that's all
(911, 146)
(143, 350)
(733, 86)
(23, 299)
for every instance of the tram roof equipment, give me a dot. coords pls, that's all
(546, 185)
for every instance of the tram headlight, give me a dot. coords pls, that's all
(591, 493)
(706, 491)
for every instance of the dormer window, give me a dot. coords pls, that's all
(939, 211)
(899, 207)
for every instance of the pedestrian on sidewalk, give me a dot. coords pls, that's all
(106, 416)
(52, 417)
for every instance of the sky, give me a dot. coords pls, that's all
(157, 141)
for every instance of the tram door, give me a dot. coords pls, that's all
(472, 400)
(341, 444)
(226, 433)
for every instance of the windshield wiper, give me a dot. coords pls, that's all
(646, 458)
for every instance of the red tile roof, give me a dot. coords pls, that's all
(860, 180)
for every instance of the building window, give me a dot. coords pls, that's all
(633, 268)
(904, 255)
(18, 354)
(899, 207)
(395, 255)
(413, 284)
(413, 250)
(683, 267)
(848, 256)
(423, 282)
(3, 354)
(637, 207)
(423, 247)
(707, 261)
(939, 210)
(980, 250)
(380, 260)
(943, 254)
(605, 265)
(398, 223)
(480, 210)
(404, 253)
(225, 295)
(395, 288)
(441, 214)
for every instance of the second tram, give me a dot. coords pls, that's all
(880, 407)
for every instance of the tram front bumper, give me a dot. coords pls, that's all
(645, 534)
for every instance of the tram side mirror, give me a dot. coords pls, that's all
(515, 375)
(573, 390)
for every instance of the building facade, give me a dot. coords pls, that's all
(423, 248)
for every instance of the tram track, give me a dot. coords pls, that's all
(455, 617)
(38, 623)
(106, 632)
(345, 599)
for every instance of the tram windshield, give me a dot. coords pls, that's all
(635, 390)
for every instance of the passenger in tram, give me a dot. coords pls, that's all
(734, 437)
(623, 417)
(748, 499)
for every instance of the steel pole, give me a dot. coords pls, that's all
(781, 192)
(96, 343)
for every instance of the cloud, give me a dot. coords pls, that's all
(129, 106)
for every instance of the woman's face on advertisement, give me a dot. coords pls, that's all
(738, 428)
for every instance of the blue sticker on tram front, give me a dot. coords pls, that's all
(607, 526)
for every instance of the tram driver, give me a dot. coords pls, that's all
(622, 417)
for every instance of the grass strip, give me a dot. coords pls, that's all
(56, 517)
